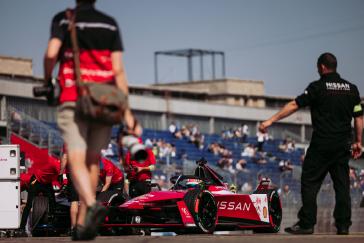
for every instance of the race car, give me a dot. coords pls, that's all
(199, 203)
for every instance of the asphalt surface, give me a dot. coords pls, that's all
(246, 238)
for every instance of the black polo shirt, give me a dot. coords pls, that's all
(333, 102)
(95, 29)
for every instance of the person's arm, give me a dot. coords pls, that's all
(287, 110)
(107, 183)
(126, 163)
(122, 84)
(146, 168)
(356, 146)
(119, 71)
(63, 163)
(50, 57)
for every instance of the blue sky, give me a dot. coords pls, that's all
(277, 41)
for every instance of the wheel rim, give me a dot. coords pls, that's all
(207, 211)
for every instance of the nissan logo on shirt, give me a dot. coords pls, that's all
(337, 86)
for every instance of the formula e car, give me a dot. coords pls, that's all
(198, 203)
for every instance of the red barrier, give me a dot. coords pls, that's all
(39, 156)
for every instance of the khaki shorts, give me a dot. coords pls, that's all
(80, 134)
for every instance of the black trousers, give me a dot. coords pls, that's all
(71, 190)
(34, 189)
(138, 188)
(318, 162)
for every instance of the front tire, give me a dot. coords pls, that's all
(275, 212)
(203, 209)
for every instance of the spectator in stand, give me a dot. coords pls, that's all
(214, 148)
(198, 139)
(185, 131)
(173, 151)
(161, 181)
(238, 133)
(229, 165)
(245, 132)
(285, 165)
(260, 160)
(246, 188)
(174, 129)
(111, 176)
(291, 146)
(352, 175)
(165, 149)
(288, 145)
(287, 197)
(241, 166)
(139, 174)
(155, 148)
(249, 151)
(261, 138)
(227, 133)
(283, 147)
(148, 143)
(194, 129)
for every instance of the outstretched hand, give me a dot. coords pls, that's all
(264, 126)
(356, 150)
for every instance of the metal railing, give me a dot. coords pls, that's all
(34, 131)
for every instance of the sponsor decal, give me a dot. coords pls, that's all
(3, 159)
(337, 86)
(260, 202)
(69, 83)
(265, 212)
(186, 213)
(233, 206)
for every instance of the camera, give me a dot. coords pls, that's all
(51, 91)
(137, 150)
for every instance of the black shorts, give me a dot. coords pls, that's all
(71, 191)
(117, 186)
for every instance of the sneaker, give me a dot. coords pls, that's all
(298, 230)
(79, 233)
(94, 218)
(342, 230)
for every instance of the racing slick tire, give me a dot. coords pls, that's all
(275, 212)
(203, 209)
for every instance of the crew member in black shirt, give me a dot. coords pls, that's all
(333, 102)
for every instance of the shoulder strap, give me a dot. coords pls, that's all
(71, 16)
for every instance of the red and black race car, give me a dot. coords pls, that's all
(198, 203)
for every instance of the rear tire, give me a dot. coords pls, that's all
(203, 209)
